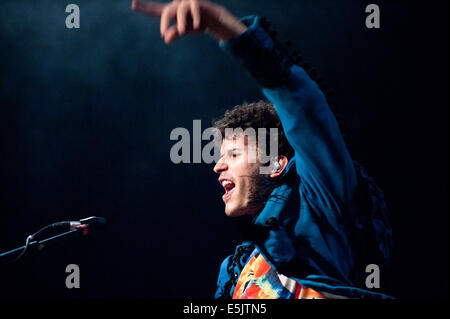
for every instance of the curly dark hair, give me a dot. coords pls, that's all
(256, 115)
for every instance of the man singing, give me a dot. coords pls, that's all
(316, 221)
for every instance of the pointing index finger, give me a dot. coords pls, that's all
(150, 8)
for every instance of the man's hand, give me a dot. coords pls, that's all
(191, 16)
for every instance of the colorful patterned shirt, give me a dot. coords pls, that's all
(260, 281)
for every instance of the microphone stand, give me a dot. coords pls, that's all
(43, 242)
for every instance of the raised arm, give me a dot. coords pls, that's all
(322, 160)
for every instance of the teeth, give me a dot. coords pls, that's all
(225, 183)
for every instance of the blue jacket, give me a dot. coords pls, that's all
(324, 230)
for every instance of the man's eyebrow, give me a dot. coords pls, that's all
(232, 150)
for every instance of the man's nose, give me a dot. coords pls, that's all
(220, 166)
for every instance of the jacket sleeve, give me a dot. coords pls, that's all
(323, 163)
(224, 280)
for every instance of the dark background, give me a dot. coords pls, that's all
(86, 116)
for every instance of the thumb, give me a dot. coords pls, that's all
(150, 8)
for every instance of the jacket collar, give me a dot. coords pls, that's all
(270, 214)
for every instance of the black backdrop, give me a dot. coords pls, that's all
(86, 116)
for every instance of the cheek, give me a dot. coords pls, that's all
(247, 178)
(244, 173)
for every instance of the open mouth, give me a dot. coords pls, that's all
(228, 185)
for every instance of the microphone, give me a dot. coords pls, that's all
(74, 226)
(82, 223)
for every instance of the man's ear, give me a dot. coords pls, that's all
(280, 168)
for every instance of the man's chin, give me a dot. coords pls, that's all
(238, 211)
